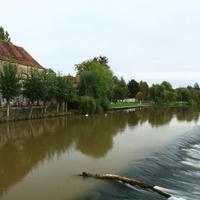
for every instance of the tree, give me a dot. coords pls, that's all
(195, 92)
(9, 82)
(87, 105)
(33, 87)
(156, 93)
(119, 89)
(184, 95)
(4, 35)
(139, 96)
(170, 96)
(48, 84)
(65, 91)
(102, 60)
(167, 85)
(95, 81)
(196, 86)
(133, 88)
(144, 89)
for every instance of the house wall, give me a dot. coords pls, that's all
(21, 68)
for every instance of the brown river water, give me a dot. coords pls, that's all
(41, 159)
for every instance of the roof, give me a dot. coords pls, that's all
(17, 55)
(74, 79)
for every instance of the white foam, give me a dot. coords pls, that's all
(193, 153)
(176, 198)
(197, 146)
(164, 189)
(192, 163)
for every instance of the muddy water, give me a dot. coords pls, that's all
(40, 159)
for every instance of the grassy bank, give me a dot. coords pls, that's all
(124, 105)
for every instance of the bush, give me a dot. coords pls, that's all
(73, 105)
(87, 105)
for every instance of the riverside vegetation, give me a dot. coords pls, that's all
(50, 94)
(93, 93)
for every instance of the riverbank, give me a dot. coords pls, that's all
(126, 105)
(52, 113)
(34, 116)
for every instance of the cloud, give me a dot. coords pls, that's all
(149, 40)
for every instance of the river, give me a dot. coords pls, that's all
(42, 159)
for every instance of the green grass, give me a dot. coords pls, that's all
(125, 104)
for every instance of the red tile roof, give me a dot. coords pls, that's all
(17, 54)
(74, 79)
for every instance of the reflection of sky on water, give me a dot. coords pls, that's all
(45, 155)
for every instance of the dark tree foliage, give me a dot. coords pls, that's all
(184, 95)
(157, 94)
(119, 90)
(4, 35)
(167, 85)
(103, 60)
(65, 91)
(133, 88)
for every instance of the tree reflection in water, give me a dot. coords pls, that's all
(25, 144)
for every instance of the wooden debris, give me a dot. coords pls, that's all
(127, 180)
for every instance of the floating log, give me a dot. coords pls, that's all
(124, 179)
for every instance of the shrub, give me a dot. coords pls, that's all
(87, 105)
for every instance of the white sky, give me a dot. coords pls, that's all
(148, 40)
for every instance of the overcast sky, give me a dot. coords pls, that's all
(148, 40)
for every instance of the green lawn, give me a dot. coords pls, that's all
(125, 104)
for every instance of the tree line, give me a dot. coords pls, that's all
(97, 87)
(45, 86)
(164, 93)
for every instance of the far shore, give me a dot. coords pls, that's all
(112, 106)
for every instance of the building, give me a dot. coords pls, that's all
(74, 79)
(19, 56)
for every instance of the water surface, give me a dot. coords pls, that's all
(40, 159)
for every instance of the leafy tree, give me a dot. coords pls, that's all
(9, 82)
(139, 96)
(170, 96)
(103, 60)
(65, 91)
(48, 84)
(195, 96)
(4, 35)
(156, 93)
(95, 81)
(167, 85)
(70, 92)
(144, 89)
(119, 89)
(133, 88)
(196, 86)
(87, 105)
(33, 87)
(184, 95)
(195, 92)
